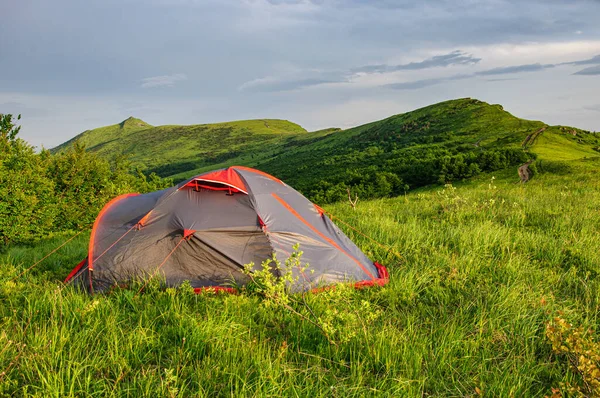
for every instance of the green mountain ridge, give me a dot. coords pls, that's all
(443, 142)
(158, 148)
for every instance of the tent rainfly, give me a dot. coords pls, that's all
(206, 228)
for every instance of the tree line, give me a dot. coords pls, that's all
(43, 193)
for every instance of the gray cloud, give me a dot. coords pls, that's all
(273, 84)
(592, 61)
(414, 85)
(515, 69)
(595, 108)
(505, 70)
(417, 84)
(501, 79)
(454, 58)
(592, 70)
(162, 81)
(294, 2)
(311, 78)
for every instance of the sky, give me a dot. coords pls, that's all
(70, 65)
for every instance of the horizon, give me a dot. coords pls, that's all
(292, 121)
(320, 64)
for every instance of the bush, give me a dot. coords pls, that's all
(578, 347)
(41, 193)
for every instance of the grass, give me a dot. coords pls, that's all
(483, 268)
(557, 145)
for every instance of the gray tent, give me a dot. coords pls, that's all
(205, 229)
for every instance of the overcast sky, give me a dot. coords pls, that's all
(72, 65)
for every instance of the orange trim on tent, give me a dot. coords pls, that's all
(328, 240)
(75, 270)
(319, 209)
(383, 279)
(97, 222)
(226, 187)
(262, 173)
(144, 219)
(226, 177)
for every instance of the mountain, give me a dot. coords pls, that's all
(440, 143)
(168, 150)
(444, 142)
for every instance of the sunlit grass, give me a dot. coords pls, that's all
(481, 270)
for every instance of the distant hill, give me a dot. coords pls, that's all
(440, 143)
(444, 142)
(169, 150)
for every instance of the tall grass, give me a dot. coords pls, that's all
(483, 268)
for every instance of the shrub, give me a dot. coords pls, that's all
(582, 353)
(41, 193)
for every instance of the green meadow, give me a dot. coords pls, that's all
(483, 275)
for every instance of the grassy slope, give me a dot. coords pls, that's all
(170, 149)
(464, 126)
(105, 139)
(446, 126)
(399, 143)
(558, 143)
(483, 268)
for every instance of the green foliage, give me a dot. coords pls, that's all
(27, 206)
(41, 193)
(86, 182)
(8, 129)
(582, 353)
(272, 280)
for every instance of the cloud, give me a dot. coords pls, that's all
(274, 84)
(454, 58)
(162, 81)
(417, 84)
(414, 85)
(315, 78)
(595, 108)
(505, 70)
(293, 2)
(592, 70)
(590, 61)
(310, 78)
(515, 69)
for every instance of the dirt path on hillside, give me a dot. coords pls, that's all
(531, 137)
(524, 172)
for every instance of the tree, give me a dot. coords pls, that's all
(27, 206)
(41, 193)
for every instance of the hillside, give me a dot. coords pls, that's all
(168, 150)
(440, 143)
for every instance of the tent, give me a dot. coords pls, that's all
(206, 228)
